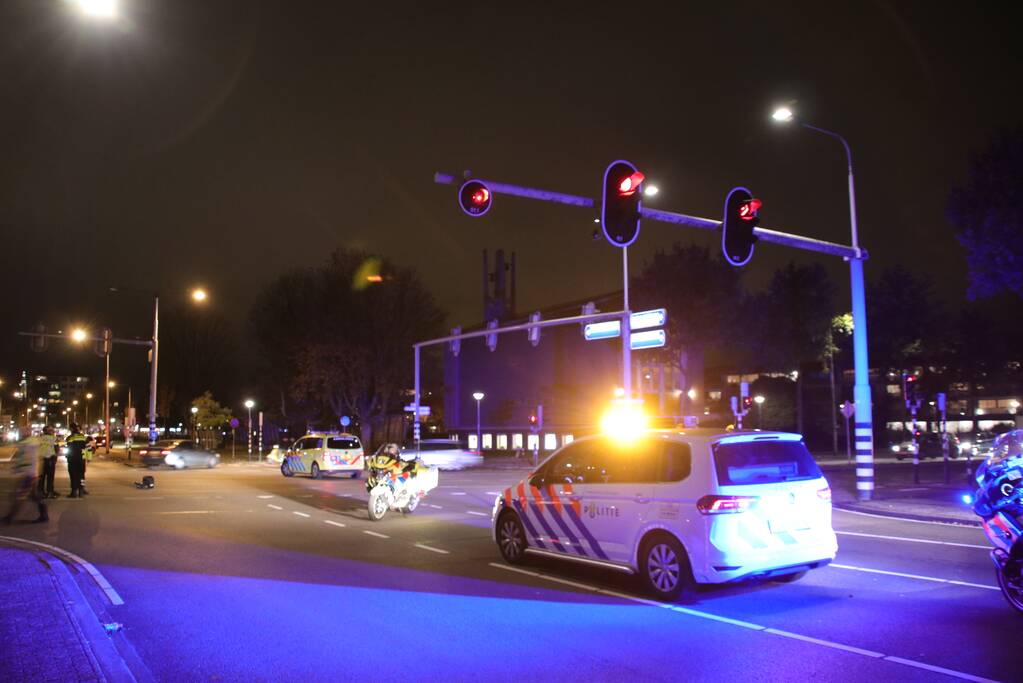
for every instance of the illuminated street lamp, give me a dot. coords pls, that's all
(199, 295)
(249, 405)
(478, 395)
(195, 410)
(759, 400)
(97, 9)
(863, 421)
(78, 335)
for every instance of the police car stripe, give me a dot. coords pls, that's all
(586, 533)
(546, 527)
(529, 527)
(555, 511)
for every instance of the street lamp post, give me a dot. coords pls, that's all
(864, 434)
(249, 403)
(479, 443)
(759, 400)
(195, 434)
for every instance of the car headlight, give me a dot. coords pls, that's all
(895, 448)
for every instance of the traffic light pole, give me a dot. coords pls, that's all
(863, 422)
(626, 329)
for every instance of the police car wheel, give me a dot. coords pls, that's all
(664, 567)
(285, 470)
(511, 538)
(314, 471)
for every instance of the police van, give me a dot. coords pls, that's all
(319, 453)
(676, 507)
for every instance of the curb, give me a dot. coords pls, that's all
(934, 519)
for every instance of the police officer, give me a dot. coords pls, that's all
(48, 456)
(76, 445)
(26, 470)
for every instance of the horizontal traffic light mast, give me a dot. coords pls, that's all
(762, 234)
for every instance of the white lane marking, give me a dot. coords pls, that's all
(918, 577)
(333, 523)
(275, 507)
(480, 514)
(961, 525)
(825, 643)
(913, 540)
(143, 497)
(188, 512)
(439, 507)
(373, 533)
(458, 493)
(436, 550)
(755, 627)
(112, 595)
(264, 497)
(300, 514)
(938, 669)
(493, 493)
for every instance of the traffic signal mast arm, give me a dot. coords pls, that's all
(115, 340)
(763, 234)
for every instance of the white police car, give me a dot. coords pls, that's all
(320, 453)
(676, 507)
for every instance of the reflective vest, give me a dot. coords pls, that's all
(76, 446)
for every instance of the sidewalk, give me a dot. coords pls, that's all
(48, 630)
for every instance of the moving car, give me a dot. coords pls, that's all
(930, 447)
(322, 453)
(445, 454)
(676, 507)
(178, 454)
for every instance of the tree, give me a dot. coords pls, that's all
(902, 319)
(209, 415)
(986, 211)
(702, 294)
(338, 339)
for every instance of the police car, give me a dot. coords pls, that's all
(676, 507)
(321, 453)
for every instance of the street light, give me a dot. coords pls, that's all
(861, 389)
(78, 335)
(249, 404)
(199, 295)
(97, 9)
(479, 397)
(195, 410)
(759, 400)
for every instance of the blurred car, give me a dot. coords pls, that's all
(981, 445)
(930, 447)
(179, 455)
(325, 453)
(445, 454)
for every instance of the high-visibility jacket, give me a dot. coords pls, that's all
(47, 446)
(76, 446)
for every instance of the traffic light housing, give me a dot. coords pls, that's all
(747, 402)
(475, 198)
(910, 391)
(621, 200)
(533, 423)
(742, 215)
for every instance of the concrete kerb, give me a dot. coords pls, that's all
(87, 624)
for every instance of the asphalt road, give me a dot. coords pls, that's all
(240, 574)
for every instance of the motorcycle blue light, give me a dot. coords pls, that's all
(967, 499)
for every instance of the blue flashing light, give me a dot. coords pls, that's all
(646, 319)
(650, 339)
(967, 499)
(604, 330)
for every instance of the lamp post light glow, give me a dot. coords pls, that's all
(863, 421)
(199, 295)
(650, 190)
(97, 9)
(478, 395)
(249, 404)
(759, 400)
(78, 335)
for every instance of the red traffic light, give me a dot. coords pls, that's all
(532, 419)
(475, 198)
(747, 401)
(630, 184)
(749, 210)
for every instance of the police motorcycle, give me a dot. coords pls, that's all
(999, 503)
(397, 481)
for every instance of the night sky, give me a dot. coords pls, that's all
(225, 142)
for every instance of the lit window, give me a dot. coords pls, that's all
(567, 439)
(488, 442)
(550, 442)
(473, 444)
(502, 442)
(533, 443)
(516, 441)
(714, 395)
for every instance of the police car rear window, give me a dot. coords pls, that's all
(343, 443)
(763, 462)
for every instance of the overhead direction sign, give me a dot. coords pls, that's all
(648, 339)
(643, 320)
(602, 330)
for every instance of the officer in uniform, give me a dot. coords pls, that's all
(26, 470)
(48, 456)
(76, 445)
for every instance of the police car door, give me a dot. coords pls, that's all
(311, 451)
(553, 512)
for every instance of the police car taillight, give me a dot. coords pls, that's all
(164, 452)
(824, 493)
(723, 505)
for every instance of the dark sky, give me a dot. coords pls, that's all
(224, 142)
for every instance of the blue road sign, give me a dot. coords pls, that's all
(345, 420)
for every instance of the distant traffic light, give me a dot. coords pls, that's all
(533, 423)
(742, 215)
(747, 402)
(910, 391)
(475, 198)
(619, 215)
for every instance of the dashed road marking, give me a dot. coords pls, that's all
(264, 497)
(275, 507)
(480, 514)
(431, 549)
(913, 540)
(754, 627)
(918, 577)
(439, 507)
(458, 493)
(333, 523)
(188, 512)
(493, 493)
(373, 533)
(300, 514)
